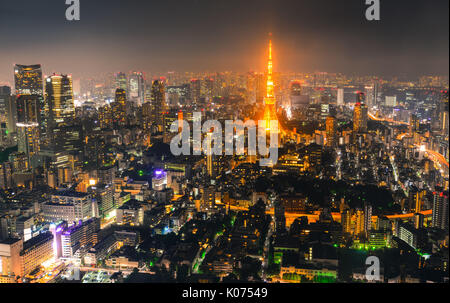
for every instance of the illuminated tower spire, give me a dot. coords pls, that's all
(269, 100)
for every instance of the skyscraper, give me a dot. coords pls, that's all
(360, 115)
(59, 109)
(367, 219)
(195, 89)
(8, 113)
(158, 103)
(346, 221)
(414, 124)
(440, 209)
(118, 107)
(340, 96)
(29, 105)
(28, 79)
(444, 113)
(121, 81)
(209, 156)
(136, 88)
(280, 217)
(28, 121)
(330, 126)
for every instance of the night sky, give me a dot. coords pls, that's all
(411, 39)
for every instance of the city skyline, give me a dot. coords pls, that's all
(117, 167)
(411, 40)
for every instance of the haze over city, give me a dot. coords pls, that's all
(201, 35)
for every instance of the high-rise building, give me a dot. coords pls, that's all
(118, 107)
(136, 88)
(391, 101)
(359, 227)
(360, 114)
(416, 198)
(28, 121)
(414, 124)
(76, 237)
(346, 221)
(209, 156)
(330, 126)
(440, 209)
(10, 261)
(367, 219)
(370, 97)
(8, 114)
(297, 99)
(280, 217)
(260, 88)
(340, 96)
(147, 115)
(195, 92)
(418, 220)
(444, 113)
(28, 79)
(103, 195)
(59, 108)
(29, 105)
(121, 81)
(158, 104)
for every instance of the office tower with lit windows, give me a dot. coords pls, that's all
(195, 92)
(158, 104)
(28, 79)
(418, 220)
(103, 196)
(28, 121)
(8, 114)
(147, 115)
(360, 115)
(416, 200)
(330, 125)
(260, 88)
(340, 97)
(59, 108)
(369, 93)
(444, 113)
(79, 236)
(346, 221)
(207, 87)
(298, 101)
(36, 251)
(10, 260)
(440, 211)
(367, 219)
(119, 107)
(121, 81)
(280, 217)
(105, 116)
(29, 105)
(360, 222)
(209, 155)
(414, 124)
(136, 88)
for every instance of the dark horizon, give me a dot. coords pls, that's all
(199, 35)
